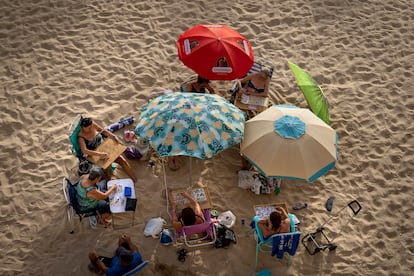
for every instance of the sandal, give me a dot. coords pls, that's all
(329, 204)
(181, 254)
(300, 206)
(93, 222)
(127, 136)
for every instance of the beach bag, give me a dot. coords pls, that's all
(225, 236)
(132, 153)
(166, 237)
(154, 227)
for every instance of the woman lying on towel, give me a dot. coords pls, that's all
(92, 135)
(189, 216)
(89, 196)
(278, 222)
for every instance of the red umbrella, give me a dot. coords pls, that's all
(215, 52)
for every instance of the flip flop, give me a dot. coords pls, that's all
(93, 222)
(329, 204)
(300, 206)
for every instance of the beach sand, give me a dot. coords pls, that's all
(105, 59)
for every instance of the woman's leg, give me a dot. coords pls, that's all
(127, 168)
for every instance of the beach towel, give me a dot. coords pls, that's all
(288, 242)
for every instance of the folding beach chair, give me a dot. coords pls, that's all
(137, 269)
(69, 193)
(277, 244)
(200, 234)
(73, 131)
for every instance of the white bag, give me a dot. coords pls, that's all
(227, 219)
(154, 227)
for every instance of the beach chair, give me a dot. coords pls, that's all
(73, 131)
(69, 193)
(199, 234)
(252, 104)
(136, 269)
(277, 244)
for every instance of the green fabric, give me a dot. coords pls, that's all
(74, 139)
(312, 91)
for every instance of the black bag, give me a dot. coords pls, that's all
(224, 237)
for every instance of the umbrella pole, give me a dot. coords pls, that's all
(190, 165)
(166, 186)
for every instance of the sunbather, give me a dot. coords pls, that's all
(256, 84)
(92, 135)
(126, 257)
(278, 222)
(201, 85)
(189, 215)
(89, 196)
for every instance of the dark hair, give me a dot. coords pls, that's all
(275, 219)
(95, 173)
(188, 216)
(86, 122)
(201, 80)
(124, 255)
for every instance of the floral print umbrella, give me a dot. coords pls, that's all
(190, 124)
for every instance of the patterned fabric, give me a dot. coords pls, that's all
(84, 201)
(190, 124)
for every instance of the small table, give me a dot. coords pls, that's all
(118, 200)
(200, 194)
(263, 211)
(110, 146)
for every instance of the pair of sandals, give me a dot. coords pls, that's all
(328, 205)
(182, 253)
(130, 136)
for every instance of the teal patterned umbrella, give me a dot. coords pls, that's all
(190, 124)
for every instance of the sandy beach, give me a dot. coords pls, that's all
(105, 59)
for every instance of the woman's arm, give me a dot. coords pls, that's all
(197, 208)
(98, 195)
(87, 151)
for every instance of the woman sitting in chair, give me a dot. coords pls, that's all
(201, 85)
(278, 222)
(189, 215)
(256, 84)
(92, 135)
(89, 196)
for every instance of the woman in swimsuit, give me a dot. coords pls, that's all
(201, 85)
(189, 216)
(278, 222)
(92, 135)
(256, 84)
